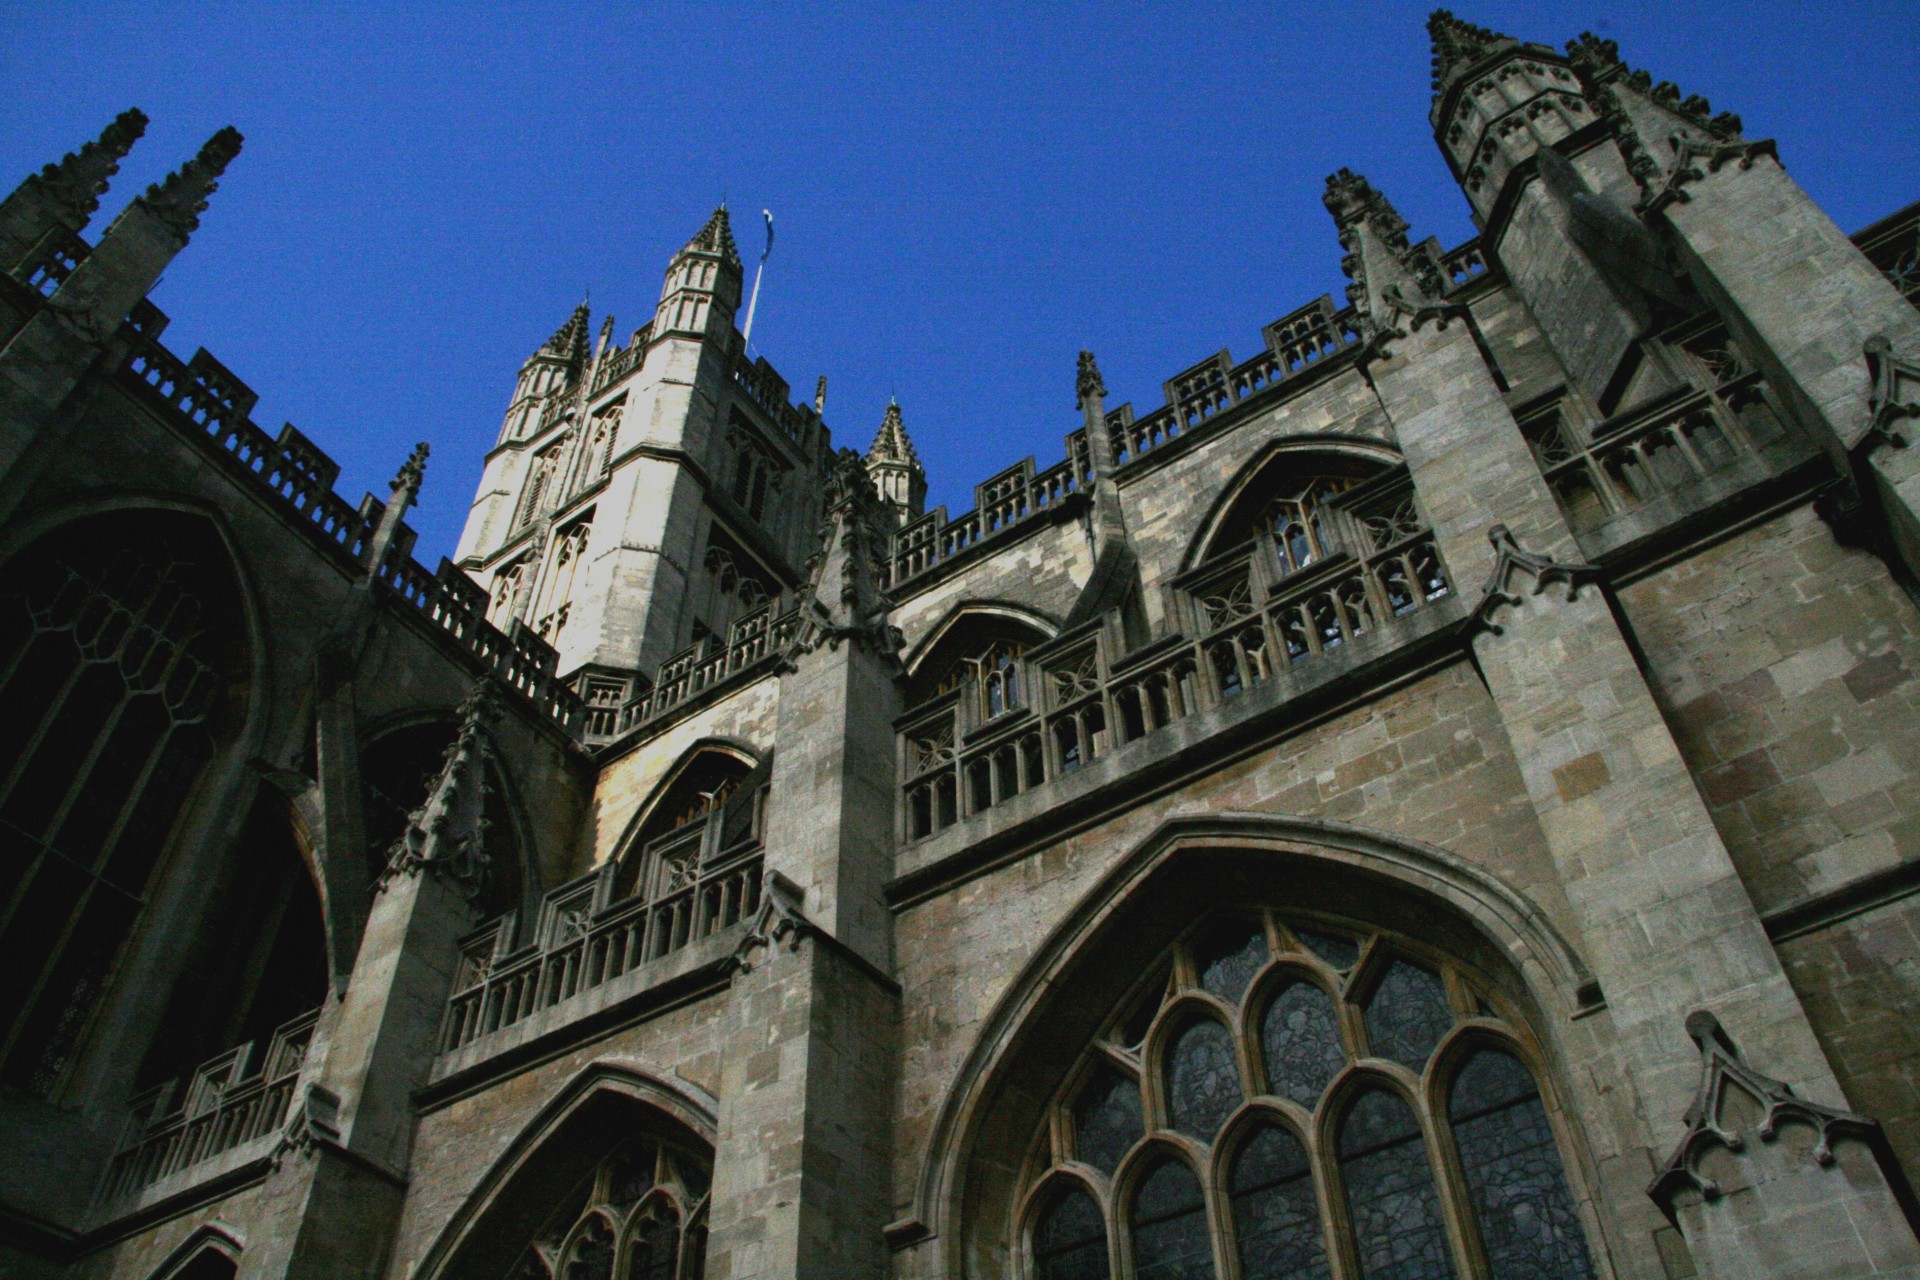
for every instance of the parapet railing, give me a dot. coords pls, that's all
(49, 263)
(767, 389)
(1245, 620)
(207, 401)
(689, 885)
(1667, 447)
(1014, 496)
(226, 1103)
(752, 642)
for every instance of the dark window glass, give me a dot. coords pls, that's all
(1336, 949)
(1274, 1215)
(1070, 1242)
(1170, 1236)
(1301, 1037)
(1229, 955)
(1390, 1192)
(1203, 1081)
(1107, 1121)
(1514, 1178)
(1408, 1014)
(591, 1257)
(656, 1245)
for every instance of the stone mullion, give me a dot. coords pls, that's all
(1667, 924)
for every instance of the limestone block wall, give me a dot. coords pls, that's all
(1429, 761)
(1042, 571)
(1789, 668)
(629, 780)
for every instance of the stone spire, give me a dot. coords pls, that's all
(1457, 45)
(67, 192)
(846, 602)
(569, 341)
(447, 833)
(898, 477)
(179, 199)
(715, 237)
(1391, 278)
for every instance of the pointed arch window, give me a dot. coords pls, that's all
(539, 479)
(1249, 1106)
(640, 1215)
(120, 670)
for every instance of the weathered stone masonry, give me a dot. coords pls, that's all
(1437, 796)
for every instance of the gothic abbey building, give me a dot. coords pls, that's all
(1437, 797)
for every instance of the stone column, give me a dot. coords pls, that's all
(332, 1203)
(1665, 921)
(802, 1170)
(801, 1166)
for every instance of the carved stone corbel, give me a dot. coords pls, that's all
(779, 920)
(1895, 394)
(1510, 558)
(1722, 1071)
(315, 1122)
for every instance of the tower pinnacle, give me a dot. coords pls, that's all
(569, 341)
(181, 197)
(1457, 43)
(715, 237)
(897, 475)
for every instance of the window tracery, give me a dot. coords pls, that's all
(539, 478)
(1250, 1116)
(641, 1215)
(117, 674)
(995, 671)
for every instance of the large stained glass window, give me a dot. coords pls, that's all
(1274, 1215)
(1314, 1157)
(1170, 1236)
(1528, 1226)
(1071, 1241)
(1390, 1192)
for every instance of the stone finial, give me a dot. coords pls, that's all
(1088, 384)
(1392, 279)
(820, 397)
(181, 197)
(446, 835)
(406, 484)
(569, 341)
(71, 187)
(891, 444)
(1457, 44)
(847, 603)
(1352, 201)
(715, 237)
(606, 336)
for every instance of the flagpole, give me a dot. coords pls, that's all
(758, 271)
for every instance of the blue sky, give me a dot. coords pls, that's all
(966, 194)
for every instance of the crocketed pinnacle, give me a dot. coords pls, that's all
(891, 444)
(1352, 200)
(569, 341)
(181, 197)
(76, 181)
(1087, 380)
(1457, 43)
(715, 237)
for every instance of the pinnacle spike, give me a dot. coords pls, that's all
(1457, 43)
(181, 197)
(77, 180)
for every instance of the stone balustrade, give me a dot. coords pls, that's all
(237, 1098)
(1243, 621)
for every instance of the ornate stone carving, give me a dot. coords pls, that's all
(447, 834)
(1457, 44)
(1510, 558)
(779, 920)
(181, 197)
(1895, 396)
(1088, 383)
(1397, 286)
(406, 484)
(1663, 137)
(75, 183)
(1721, 1071)
(846, 604)
(315, 1122)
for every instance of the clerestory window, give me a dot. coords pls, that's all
(640, 1215)
(1295, 1099)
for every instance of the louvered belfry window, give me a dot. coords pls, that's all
(1289, 1098)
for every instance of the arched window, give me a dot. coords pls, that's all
(667, 852)
(539, 479)
(639, 1215)
(500, 597)
(1278, 1047)
(564, 564)
(1285, 507)
(121, 673)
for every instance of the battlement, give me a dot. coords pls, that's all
(1295, 345)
